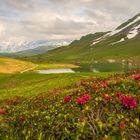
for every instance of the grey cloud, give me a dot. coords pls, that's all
(62, 19)
(20, 4)
(58, 27)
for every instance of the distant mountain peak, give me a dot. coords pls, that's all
(11, 46)
(129, 30)
(129, 21)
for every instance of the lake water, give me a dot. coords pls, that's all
(105, 67)
(50, 71)
(99, 67)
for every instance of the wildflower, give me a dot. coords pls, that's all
(108, 98)
(137, 76)
(105, 137)
(122, 125)
(129, 101)
(67, 98)
(103, 84)
(2, 112)
(94, 86)
(83, 99)
(86, 97)
(89, 90)
(118, 94)
(82, 82)
(80, 101)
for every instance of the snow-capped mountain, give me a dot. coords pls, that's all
(119, 46)
(128, 30)
(10, 46)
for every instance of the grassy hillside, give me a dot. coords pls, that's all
(70, 53)
(81, 51)
(30, 84)
(105, 47)
(105, 108)
(9, 65)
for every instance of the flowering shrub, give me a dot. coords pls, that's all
(108, 109)
(108, 98)
(137, 76)
(2, 112)
(67, 98)
(83, 99)
(118, 94)
(129, 101)
(122, 125)
(95, 86)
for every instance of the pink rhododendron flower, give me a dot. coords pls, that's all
(82, 82)
(67, 98)
(90, 90)
(108, 98)
(103, 84)
(86, 97)
(2, 112)
(94, 86)
(137, 77)
(122, 125)
(83, 99)
(80, 101)
(129, 101)
(118, 94)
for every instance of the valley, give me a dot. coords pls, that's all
(87, 90)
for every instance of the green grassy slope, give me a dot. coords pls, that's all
(102, 108)
(29, 84)
(82, 51)
(70, 53)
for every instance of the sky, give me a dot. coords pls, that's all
(28, 20)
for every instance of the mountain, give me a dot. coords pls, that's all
(14, 46)
(29, 52)
(30, 48)
(122, 44)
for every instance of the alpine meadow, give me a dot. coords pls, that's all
(69, 70)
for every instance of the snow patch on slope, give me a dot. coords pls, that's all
(98, 40)
(119, 30)
(95, 42)
(133, 32)
(118, 41)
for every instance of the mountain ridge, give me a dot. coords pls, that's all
(120, 44)
(14, 47)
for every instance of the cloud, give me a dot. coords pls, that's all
(20, 4)
(28, 20)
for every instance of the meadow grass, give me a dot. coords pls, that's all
(9, 65)
(82, 51)
(103, 108)
(54, 66)
(29, 84)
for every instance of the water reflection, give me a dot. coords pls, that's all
(50, 71)
(106, 67)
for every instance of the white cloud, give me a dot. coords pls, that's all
(26, 20)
